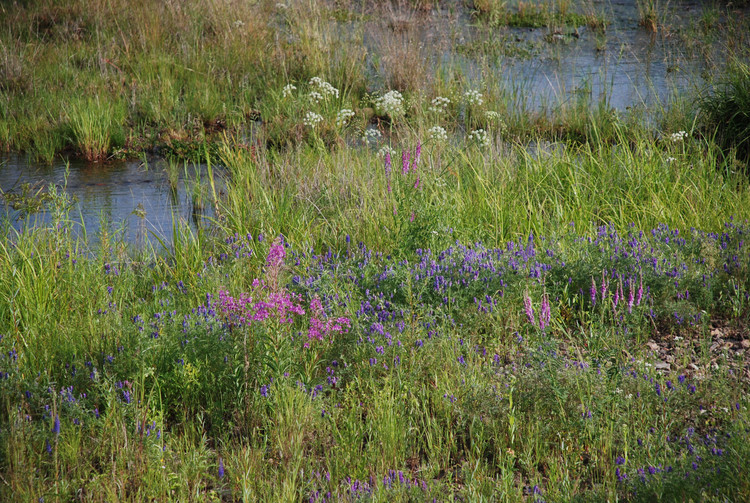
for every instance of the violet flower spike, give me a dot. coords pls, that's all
(593, 292)
(405, 162)
(640, 293)
(417, 156)
(528, 308)
(631, 298)
(544, 313)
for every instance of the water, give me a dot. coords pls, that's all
(133, 198)
(627, 68)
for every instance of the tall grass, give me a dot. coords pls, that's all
(440, 294)
(184, 75)
(441, 388)
(725, 111)
(96, 127)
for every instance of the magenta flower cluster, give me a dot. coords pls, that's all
(545, 313)
(277, 303)
(321, 328)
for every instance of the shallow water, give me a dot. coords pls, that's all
(132, 198)
(627, 68)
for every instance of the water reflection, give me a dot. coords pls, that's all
(135, 198)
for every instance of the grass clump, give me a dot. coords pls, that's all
(530, 15)
(725, 110)
(96, 127)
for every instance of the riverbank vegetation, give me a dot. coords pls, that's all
(417, 282)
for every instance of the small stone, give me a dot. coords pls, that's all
(745, 344)
(693, 366)
(652, 346)
(664, 366)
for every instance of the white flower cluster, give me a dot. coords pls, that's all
(386, 150)
(481, 137)
(494, 118)
(678, 136)
(288, 90)
(315, 97)
(392, 103)
(343, 116)
(312, 119)
(323, 87)
(438, 133)
(439, 105)
(371, 136)
(473, 97)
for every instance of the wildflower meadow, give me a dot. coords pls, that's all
(403, 277)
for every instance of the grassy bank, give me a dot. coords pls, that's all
(414, 285)
(109, 79)
(602, 366)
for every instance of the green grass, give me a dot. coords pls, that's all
(526, 305)
(725, 110)
(72, 79)
(152, 389)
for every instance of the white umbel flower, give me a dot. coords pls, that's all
(439, 105)
(371, 136)
(288, 90)
(678, 136)
(438, 133)
(473, 97)
(312, 119)
(391, 103)
(323, 87)
(343, 116)
(481, 137)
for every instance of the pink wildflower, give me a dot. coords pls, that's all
(593, 292)
(321, 328)
(417, 156)
(640, 292)
(528, 308)
(631, 296)
(544, 313)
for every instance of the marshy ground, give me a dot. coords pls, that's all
(369, 251)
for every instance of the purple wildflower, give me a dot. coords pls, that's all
(528, 308)
(631, 297)
(640, 293)
(221, 468)
(544, 313)
(593, 292)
